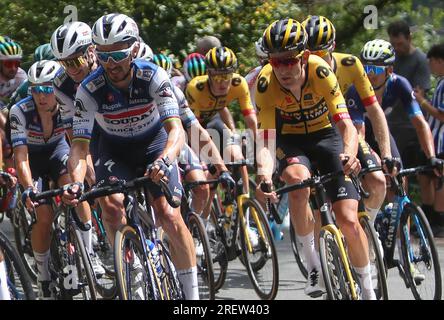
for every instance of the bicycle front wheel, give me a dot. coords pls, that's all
(136, 277)
(419, 255)
(204, 259)
(19, 281)
(377, 265)
(217, 245)
(333, 269)
(258, 250)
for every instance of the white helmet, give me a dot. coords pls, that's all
(378, 52)
(259, 51)
(70, 38)
(145, 52)
(114, 28)
(43, 71)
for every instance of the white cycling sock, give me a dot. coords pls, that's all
(365, 276)
(310, 253)
(188, 279)
(372, 213)
(87, 237)
(42, 260)
(4, 291)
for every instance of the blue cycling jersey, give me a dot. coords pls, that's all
(137, 114)
(27, 129)
(398, 91)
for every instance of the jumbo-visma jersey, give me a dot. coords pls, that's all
(321, 100)
(350, 72)
(205, 105)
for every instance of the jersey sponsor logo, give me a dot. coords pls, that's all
(236, 81)
(80, 107)
(262, 85)
(146, 75)
(348, 61)
(341, 106)
(351, 104)
(14, 122)
(342, 192)
(110, 97)
(165, 90)
(95, 84)
(308, 97)
(60, 78)
(322, 72)
(109, 165)
(138, 101)
(335, 91)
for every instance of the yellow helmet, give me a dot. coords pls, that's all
(221, 58)
(321, 32)
(284, 35)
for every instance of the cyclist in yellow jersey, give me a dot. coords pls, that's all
(350, 72)
(210, 95)
(298, 94)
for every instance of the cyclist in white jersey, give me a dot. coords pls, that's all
(138, 116)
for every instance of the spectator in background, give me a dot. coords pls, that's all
(206, 43)
(411, 62)
(435, 109)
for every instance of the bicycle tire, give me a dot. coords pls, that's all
(83, 264)
(205, 262)
(13, 263)
(381, 289)
(411, 210)
(218, 249)
(22, 237)
(124, 237)
(267, 289)
(333, 270)
(297, 255)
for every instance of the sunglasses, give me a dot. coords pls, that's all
(285, 62)
(11, 63)
(117, 55)
(42, 89)
(221, 77)
(376, 70)
(73, 63)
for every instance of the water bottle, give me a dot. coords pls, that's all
(276, 230)
(383, 219)
(155, 256)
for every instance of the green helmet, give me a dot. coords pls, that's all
(9, 49)
(43, 52)
(163, 61)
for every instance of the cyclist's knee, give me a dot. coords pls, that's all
(112, 209)
(375, 183)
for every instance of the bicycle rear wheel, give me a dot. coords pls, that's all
(296, 246)
(258, 250)
(19, 281)
(204, 259)
(136, 277)
(379, 271)
(170, 282)
(419, 255)
(333, 269)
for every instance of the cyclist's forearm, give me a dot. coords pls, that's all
(380, 129)
(349, 136)
(424, 136)
(226, 117)
(251, 123)
(77, 163)
(216, 158)
(24, 173)
(265, 164)
(175, 141)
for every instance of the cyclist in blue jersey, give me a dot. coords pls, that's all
(138, 117)
(392, 91)
(41, 152)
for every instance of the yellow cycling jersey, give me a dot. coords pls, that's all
(349, 71)
(205, 105)
(321, 100)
